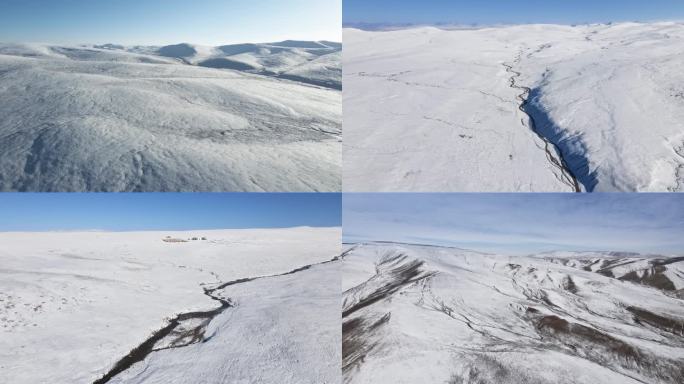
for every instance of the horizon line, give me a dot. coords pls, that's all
(164, 45)
(161, 230)
(474, 25)
(527, 253)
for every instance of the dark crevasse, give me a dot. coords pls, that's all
(572, 149)
(553, 153)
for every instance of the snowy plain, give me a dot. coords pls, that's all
(414, 313)
(92, 299)
(428, 109)
(249, 117)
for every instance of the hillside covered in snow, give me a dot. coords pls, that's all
(414, 313)
(170, 307)
(248, 117)
(519, 108)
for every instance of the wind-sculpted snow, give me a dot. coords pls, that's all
(108, 303)
(447, 315)
(107, 119)
(522, 108)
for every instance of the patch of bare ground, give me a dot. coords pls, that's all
(555, 326)
(606, 272)
(653, 277)
(486, 369)
(569, 285)
(608, 351)
(664, 323)
(361, 332)
(393, 272)
(357, 334)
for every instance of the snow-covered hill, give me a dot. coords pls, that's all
(112, 118)
(315, 62)
(445, 315)
(449, 110)
(132, 304)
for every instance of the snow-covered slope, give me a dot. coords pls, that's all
(446, 315)
(662, 273)
(112, 119)
(324, 70)
(315, 62)
(98, 300)
(283, 329)
(449, 110)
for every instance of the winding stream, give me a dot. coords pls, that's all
(553, 153)
(187, 328)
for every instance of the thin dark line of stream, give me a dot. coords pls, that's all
(185, 337)
(566, 175)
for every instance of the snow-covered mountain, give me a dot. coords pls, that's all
(159, 307)
(416, 313)
(519, 108)
(174, 118)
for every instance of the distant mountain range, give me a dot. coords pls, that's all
(314, 62)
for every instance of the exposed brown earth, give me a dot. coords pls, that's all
(602, 348)
(664, 323)
(396, 273)
(653, 277)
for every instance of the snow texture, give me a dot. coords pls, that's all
(73, 305)
(428, 314)
(175, 118)
(523, 108)
(287, 329)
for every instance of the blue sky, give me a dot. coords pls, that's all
(165, 211)
(158, 22)
(509, 11)
(520, 223)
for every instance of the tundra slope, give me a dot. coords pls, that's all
(91, 300)
(416, 313)
(112, 118)
(499, 109)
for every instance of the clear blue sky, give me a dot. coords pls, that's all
(520, 223)
(509, 11)
(158, 22)
(166, 211)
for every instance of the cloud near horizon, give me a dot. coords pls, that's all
(520, 223)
